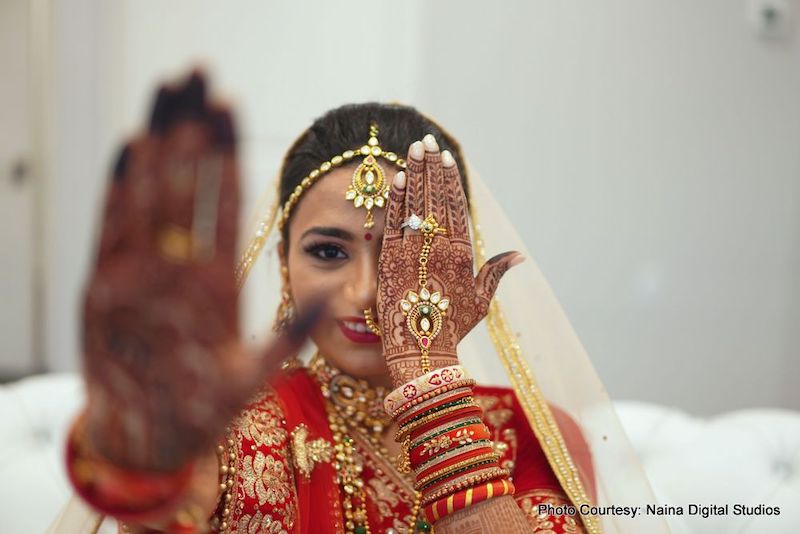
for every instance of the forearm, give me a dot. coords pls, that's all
(495, 515)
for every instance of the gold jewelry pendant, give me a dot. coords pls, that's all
(424, 312)
(369, 187)
(308, 453)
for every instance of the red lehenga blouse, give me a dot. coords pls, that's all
(287, 423)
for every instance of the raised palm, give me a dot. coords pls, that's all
(164, 365)
(432, 188)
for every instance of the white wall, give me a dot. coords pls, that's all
(647, 150)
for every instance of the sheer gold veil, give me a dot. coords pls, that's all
(526, 342)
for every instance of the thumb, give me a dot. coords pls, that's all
(492, 271)
(248, 374)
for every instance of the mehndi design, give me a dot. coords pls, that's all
(424, 311)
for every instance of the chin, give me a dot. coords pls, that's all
(359, 361)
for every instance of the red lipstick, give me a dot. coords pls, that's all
(347, 324)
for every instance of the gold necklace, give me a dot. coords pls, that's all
(352, 404)
(360, 405)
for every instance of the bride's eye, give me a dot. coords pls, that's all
(326, 251)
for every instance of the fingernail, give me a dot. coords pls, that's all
(400, 180)
(161, 108)
(430, 143)
(223, 128)
(417, 150)
(516, 260)
(447, 159)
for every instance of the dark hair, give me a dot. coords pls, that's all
(347, 128)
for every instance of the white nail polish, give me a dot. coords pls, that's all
(447, 159)
(430, 143)
(400, 180)
(519, 258)
(417, 150)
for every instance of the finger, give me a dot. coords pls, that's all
(172, 104)
(490, 274)
(140, 196)
(216, 213)
(415, 187)
(396, 206)
(111, 235)
(434, 182)
(455, 199)
(189, 172)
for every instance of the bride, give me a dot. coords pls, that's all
(390, 424)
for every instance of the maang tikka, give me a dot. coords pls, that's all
(369, 186)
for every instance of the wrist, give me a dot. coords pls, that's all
(406, 365)
(128, 494)
(446, 443)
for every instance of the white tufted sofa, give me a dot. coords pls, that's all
(747, 457)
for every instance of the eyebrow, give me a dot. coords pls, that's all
(329, 231)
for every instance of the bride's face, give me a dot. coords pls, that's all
(331, 253)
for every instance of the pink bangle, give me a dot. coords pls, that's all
(421, 385)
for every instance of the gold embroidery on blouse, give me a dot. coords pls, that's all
(263, 427)
(387, 488)
(265, 477)
(306, 454)
(498, 414)
(495, 415)
(258, 523)
(509, 439)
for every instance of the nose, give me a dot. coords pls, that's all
(362, 288)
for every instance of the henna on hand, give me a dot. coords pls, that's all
(164, 366)
(431, 186)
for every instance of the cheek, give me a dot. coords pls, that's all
(308, 282)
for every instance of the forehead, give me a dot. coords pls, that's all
(324, 204)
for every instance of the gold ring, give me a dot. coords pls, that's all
(176, 244)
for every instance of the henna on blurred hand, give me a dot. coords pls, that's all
(164, 366)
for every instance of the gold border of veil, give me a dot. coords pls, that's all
(530, 397)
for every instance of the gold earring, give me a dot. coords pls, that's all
(286, 312)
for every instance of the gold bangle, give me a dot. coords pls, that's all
(452, 453)
(428, 418)
(454, 425)
(443, 397)
(455, 467)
